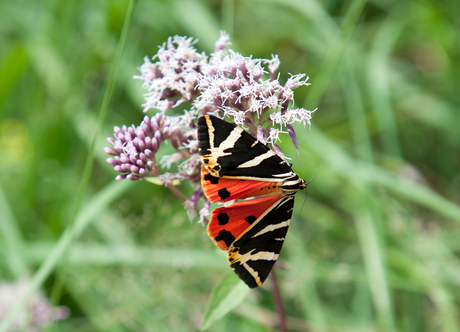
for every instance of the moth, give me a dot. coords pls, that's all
(237, 167)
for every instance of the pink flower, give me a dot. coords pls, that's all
(225, 84)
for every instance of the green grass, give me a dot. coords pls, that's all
(375, 247)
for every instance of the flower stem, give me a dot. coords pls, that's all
(278, 302)
(176, 192)
(182, 197)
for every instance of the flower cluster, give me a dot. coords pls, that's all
(172, 79)
(134, 148)
(224, 84)
(38, 313)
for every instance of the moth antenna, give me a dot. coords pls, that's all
(306, 187)
(314, 173)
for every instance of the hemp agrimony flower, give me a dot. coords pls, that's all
(225, 83)
(38, 312)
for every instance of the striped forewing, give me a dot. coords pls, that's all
(236, 153)
(253, 254)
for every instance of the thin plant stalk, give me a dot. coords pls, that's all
(278, 302)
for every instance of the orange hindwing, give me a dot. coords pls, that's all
(228, 222)
(224, 190)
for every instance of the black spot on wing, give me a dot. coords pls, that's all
(225, 236)
(223, 218)
(210, 178)
(250, 219)
(268, 241)
(223, 193)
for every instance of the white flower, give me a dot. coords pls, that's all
(172, 78)
(273, 65)
(273, 135)
(238, 116)
(166, 161)
(295, 81)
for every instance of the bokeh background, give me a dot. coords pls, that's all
(375, 246)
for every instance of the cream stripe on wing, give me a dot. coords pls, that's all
(249, 256)
(210, 131)
(228, 143)
(253, 273)
(257, 160)
(265, 255)
(271, 228)
(284, 175)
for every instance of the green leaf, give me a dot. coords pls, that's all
(157, 181)
(228, 294)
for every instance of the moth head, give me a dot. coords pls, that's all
(302, 184)
(292, 184)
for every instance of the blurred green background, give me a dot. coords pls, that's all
(375, 247)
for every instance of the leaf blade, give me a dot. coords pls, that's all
(226, 296)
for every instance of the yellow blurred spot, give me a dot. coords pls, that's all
(157, 181)
(15, 145)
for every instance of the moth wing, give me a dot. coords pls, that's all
(253, 254)
(222, 189)
(229, 222)
(253, 231)
(228, 151)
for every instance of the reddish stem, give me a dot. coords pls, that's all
(278, 302)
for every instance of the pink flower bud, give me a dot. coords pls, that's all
(120, 177)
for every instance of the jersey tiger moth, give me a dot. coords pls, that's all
(235, 165)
